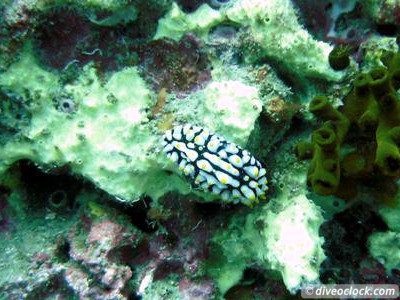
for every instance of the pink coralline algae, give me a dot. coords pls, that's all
(87, 263)
(336, 21)
(179, 67)
(98, 257)
(111, 285)
(191, 290)
(58, 43)
(105, 257)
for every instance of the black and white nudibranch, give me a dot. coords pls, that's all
(215, 165)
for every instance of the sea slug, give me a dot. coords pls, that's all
(215, 165)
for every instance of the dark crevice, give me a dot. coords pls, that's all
(41, 185)
(388, 29)
(208, 210)
(62, 250)
(137, 213)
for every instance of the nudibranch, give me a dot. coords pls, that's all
(215, 165)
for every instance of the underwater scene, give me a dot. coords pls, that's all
(199, 149)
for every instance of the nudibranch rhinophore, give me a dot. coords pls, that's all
(215, 165)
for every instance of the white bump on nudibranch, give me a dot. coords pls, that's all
(236, 194)
(226, 179)
(222, 154)
(225, 195)
(252, 171)
(248, 192)
(182, 165)
(204, 165)
(168, 135)
(231, 148)
(180, 146)
(199, 179)
(190, 135)
(204, 186)
(205, 134)
(211, 180)
(189, 170)
(198, 140)
(168, 148)
(174, 157)
(213, 145)
(212, 158)
(245, 158)
(262, 180)
(196, 129)
(191, 154)
(235, 160)
(253, 184)
(186, 128)
(222, 177)
(216, 190)
(177, 134)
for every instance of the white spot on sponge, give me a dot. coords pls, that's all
(293, 245)
(231, 107)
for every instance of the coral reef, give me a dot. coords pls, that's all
(354, 245)
(92, 251)
(78, 110)
(98, 253)
(260, 239)
(187, 249)
(354, 155)
(177, 257)
(86, 93)
(92, 92)
(269, 22)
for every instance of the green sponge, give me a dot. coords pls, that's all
(324, 174)
(368, 123)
